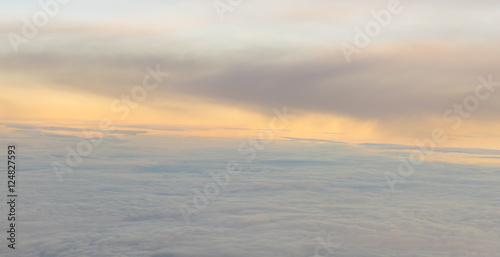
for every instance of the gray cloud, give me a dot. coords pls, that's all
(480, 151)
(383, 86)
(110, 207)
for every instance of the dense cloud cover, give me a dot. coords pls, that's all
(123, 201)
(320, 190)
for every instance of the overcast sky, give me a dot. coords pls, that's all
(263, 55)
(365, 81)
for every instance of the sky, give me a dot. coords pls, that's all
(263, 55)
(328, 105)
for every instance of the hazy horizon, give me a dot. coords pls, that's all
(228, 128)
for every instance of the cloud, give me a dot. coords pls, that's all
(111, 206)
(384, 86)
(123, 199)
(479, 151)
(72, 129)
(414, 69)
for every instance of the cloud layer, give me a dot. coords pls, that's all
(123, 201)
